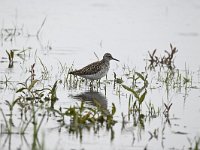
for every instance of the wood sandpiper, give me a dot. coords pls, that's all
(95, 70)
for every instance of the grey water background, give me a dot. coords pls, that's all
(128, 30)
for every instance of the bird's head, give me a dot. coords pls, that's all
(108, 57)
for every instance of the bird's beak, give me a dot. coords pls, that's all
(115, 59)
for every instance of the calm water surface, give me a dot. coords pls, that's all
(72, 32)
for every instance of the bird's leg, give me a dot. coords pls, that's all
(98, 83)
(91, 85)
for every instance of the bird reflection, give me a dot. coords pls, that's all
(93, 98)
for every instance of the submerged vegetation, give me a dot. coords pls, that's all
(37, 98)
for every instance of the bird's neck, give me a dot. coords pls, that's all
(106, 62)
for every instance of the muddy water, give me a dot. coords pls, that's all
(72, 32)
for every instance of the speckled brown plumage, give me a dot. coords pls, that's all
(92, 68)
(95, 70)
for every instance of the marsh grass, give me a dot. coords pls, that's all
(167, 109)
(154, 134)
(44, 71)
(10, 34)
(29, 93)
(36, 100)
(21, 128)
(20, 53)
(85, 117)
(30, 96)
(139, 91)
(176, 81)
(7, 82)
(194, 143)
(167, 60)
(10, 58)
(8, 123)
(152, 111)
(23, 53)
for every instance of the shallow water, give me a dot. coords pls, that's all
(73, 31)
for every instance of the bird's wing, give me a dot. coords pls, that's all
(89, 69)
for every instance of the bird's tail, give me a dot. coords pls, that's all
(71, 72)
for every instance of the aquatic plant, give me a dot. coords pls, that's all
(167, 108)
(7, 82)
(152, 111)
(8, 123)
(34, 100)
(82, 115)
(37, 34)
(10, 58)
(194, 143)
(9, 34)
(139, 92)
(23, 53)
(154, 134)
(44, 71)
(29, 93)
(163, 60)
(52, 94)
(32, 71)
